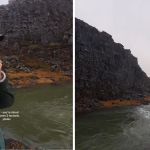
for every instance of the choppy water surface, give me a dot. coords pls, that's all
(45, 117)
(116, 129)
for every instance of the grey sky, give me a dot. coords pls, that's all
(128, 21)
(3, 2)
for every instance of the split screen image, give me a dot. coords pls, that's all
(74, 75)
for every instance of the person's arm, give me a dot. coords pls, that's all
(6, 97)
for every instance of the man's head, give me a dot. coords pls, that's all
(1, 37)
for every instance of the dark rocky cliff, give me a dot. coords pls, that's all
(40, 29)
(36, 20)
(105, 70)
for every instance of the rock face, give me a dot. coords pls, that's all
(42, 21)
(40, 29)
(105, 70)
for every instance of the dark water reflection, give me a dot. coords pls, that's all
(116, 129)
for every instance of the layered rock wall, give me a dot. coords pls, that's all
(105, 70)
(42, 21)
(39, 30)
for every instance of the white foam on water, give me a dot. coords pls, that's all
(144, 112)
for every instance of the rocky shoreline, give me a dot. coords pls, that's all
(109, 104)
(38, 77)
(31, 69)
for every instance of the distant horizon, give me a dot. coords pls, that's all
(126, 21)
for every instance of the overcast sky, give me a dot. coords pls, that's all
(128, 21)
(3, 2)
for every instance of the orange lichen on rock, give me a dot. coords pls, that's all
(121, 103)
(37, 77)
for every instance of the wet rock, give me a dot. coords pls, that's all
(54, 67)
(14, 63)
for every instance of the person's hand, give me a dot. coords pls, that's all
(1, 75)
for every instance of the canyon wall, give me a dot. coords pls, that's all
(39, 30)
(105, 70)
(42, 21)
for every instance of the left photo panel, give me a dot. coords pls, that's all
(36, 63)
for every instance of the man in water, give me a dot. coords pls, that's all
(6, 97)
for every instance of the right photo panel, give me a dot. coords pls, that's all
(112, 72)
